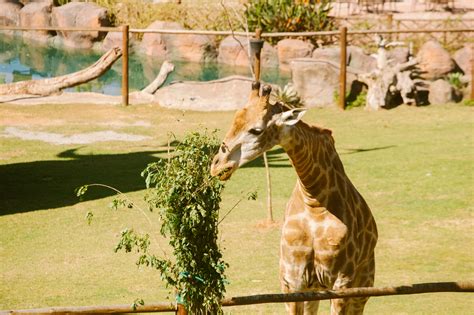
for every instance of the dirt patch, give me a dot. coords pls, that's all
(81, 138)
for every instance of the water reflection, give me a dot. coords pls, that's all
(21, 60)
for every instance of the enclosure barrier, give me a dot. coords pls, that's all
(342, 33)
(435, 287)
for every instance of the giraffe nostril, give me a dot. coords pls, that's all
(216, 160)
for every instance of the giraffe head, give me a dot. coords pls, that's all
(256, 128)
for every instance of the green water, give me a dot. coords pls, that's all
(21, 60)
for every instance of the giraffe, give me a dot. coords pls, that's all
(329, 234)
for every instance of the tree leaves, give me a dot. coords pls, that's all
(187, 198)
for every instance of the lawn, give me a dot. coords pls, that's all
(414, 166)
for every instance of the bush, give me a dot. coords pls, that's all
(288, 16)
(187, 198)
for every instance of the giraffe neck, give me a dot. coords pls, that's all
(317, 164)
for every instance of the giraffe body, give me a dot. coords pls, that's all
(329, 234)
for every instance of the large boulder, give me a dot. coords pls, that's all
(37, 15)
(355, 58)
(317, 81)
(80, 14)
(434, 61)
(440, 92)
(398, 55)
(289, 49)
(10, 12)
(187, 47)
(464, 57)
(225, 94)
(114, 39)
(359, 60)
(233, 51)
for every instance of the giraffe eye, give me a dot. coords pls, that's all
(256, 131)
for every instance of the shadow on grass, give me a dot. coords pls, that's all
(50, 184)
(361, 150)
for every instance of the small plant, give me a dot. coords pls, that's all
(288, 96)
(359, 101)
(288, 15)
(454, 79)
(469, 102)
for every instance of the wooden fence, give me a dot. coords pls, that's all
(462, 287)
(341, 36)
(450, 40)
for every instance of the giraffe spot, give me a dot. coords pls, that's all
(350, 251)
(349, 268)
(335, 206)
(323, 259)
(297, 238)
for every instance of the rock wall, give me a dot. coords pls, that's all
(315, 70)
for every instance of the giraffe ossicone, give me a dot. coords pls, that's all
(329, 233)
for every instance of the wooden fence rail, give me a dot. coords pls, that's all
(436, 287)
(343, 33)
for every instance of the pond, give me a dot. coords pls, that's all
(21, 60)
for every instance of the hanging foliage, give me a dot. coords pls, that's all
(187, 198)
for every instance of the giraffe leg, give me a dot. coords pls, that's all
(364, 278)
(296, 277)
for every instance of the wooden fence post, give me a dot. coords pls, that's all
(125, 65)
(342, 71)
(258, 36)
(181, 310)
(390, 25)
(472, 73)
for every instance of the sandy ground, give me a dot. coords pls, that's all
(81, 138)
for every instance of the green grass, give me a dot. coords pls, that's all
(414, 166)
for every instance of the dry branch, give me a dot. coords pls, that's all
(166, 68)
(54, 85)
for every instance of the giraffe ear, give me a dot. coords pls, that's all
(292, 116)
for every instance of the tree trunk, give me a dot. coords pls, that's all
(54, 85)
(269, 189)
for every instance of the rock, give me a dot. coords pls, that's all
(196, 48)
(25, 2)
(288, 49)
(434, 61)
(233, 51)
(113, 39)
(190, 47)
(153, 44)
(36, 14)
(356, 58)
(463, 58)
(440, 92)
(317, 81)
(79, 14)
(225, 94)
(328, 53)
(10, 12)
(359, 60)
(398, 55)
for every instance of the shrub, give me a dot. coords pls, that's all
(187, 198)
(288, 16)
